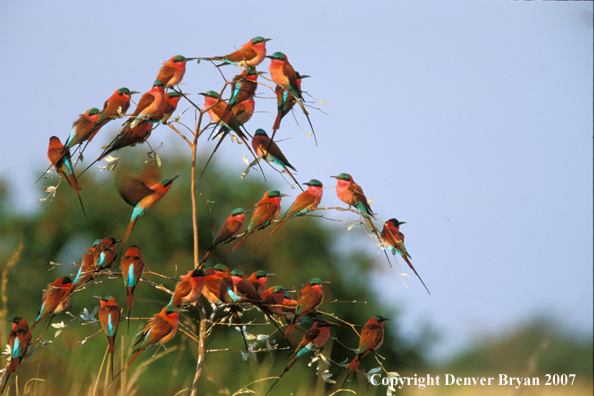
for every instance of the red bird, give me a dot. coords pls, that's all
(310, 297)
(265, 212)
(251, 54)
(117, 103)
(304, 203)
(148, 105)
(394, 239)
(189, 289)
(243, 111)
(105, 253)
(142, 192)
(228, 230)
(19, 340)
(132, 268)
(109, 316)
(243, 87)
(172, 71)
(83, 129)
(372, 337)
(259, 279)
(54, 300)
(61, 161)
(160, 329)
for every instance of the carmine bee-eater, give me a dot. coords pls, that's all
(251, 54)
(228, 230)
(117, 103)
(304, 203)
(109, 316)
(132, 267)
(168, 106)
(313, 338)
(243, 111)
(220, 114)
(160, 329)
(288, 308)
(243, 87)
(310, 297)
(269, 151)
(259, 279)
(19, 339)
(273, 298)
(142, 191)
(172, 71)
(62, 162)
(372, 337)
(84, 128)
(216, 289)
(189, 288)
(283, 74)
(53, 301)
(352, 194)
(105, 253)
(394, 239)
(85, 272)
(265, 212)
(148, 105)
(284, 102)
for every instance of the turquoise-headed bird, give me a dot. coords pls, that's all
(172, 72)
(258, 280)
(141, 191)
(313, 338)
(109, 316)
(243, 111)
(148, 105)
(269, 151)
(265, 211)
(54, 300)
(283, 74)
(394, 239)
(160, 329)
(304, 203)
(132, 268)
(189, 288)
(243, 87)
(105, 253)
(228, 230)
(118, 103)
(62, 162)
(251, 54)
(310, 297)
(284, 102)
(83, 129)
(19, 339)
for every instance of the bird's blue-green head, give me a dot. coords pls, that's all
(221, 267)
(157, 83)
(197, 273)
(237, 272)
(260, 132)
(260, 39)
(237, 212)
(380, 318)
(93, 111)
(344, 176)
(314, 183)
(315, 281)
(277, 56)
(167, 182)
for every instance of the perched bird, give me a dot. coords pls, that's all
(87, 267)
(19, 339)
(304, 203)
(172, 71)
(118, 102)
(105, 253)
(83, 129)
(109, 316)
(141, 192)
(258, 280)
(251, 54)
(372, 337)
(394, 239)
(54, 300)
(160, 329)
(148, 105)
(313, 338)
(352, 194)
(243, 87)
(243, 287)
(132, 267)
(189, 288)
(273, 298)
(288, 308)
(265, 212)
(283, 74)
(228, 230)
(269, 151)
(62, 162)
(310, 297)
(216, 289)
(168, 106)
(284, 102)
(220, 114)
(243, 111)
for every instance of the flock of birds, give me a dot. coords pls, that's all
(219, 285)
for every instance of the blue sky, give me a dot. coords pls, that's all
(469, 120)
